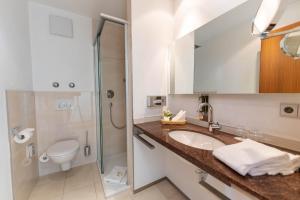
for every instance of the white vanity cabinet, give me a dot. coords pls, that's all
(186, 177)
(152, 162)
(238, 194)
(149, 160)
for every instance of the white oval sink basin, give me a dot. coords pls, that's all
(196, 140)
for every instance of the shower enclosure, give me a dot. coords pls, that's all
(111, 95)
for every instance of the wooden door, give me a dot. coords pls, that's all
(279, 73)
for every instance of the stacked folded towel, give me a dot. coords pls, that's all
(250, 157)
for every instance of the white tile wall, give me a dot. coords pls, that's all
(53, 125)
(260, 111)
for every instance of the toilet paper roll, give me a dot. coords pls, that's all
(44, 158)
(24, 136)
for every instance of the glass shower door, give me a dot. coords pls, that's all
(110, 78)
(98, 98)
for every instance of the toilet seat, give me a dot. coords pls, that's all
(63, 147)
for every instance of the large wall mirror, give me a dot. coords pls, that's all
(224, 57)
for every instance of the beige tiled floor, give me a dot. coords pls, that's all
(83, 183)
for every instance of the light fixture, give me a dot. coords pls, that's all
(267, 16)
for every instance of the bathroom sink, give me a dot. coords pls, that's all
(196, 140)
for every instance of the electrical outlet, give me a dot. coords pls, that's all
(289, 110)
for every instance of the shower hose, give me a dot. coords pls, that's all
(111, 118)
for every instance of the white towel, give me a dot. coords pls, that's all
(180, 116)
(247, 155)
(117, 175)
(285, 168)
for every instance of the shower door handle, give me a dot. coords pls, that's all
(144, 141)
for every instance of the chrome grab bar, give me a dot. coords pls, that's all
(203, 176)
(137, 134)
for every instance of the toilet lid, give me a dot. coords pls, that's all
(63, 147)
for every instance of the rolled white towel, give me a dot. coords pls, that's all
(249, 154)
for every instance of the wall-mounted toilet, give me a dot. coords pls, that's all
(63, 152)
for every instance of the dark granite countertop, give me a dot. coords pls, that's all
(263, 187)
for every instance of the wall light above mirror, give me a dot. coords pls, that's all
(224, 57)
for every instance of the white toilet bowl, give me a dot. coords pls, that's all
(63, 152)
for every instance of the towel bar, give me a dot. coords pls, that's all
(145, 142)
(203, 176)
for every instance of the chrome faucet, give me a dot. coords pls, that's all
(211, 124)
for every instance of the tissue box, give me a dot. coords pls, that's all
(179, 122)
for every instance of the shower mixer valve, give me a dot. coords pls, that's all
(110, 94)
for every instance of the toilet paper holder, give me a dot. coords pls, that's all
(21, 136)
(44, 158)
(15, 132)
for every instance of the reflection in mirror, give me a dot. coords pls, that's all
(290, 44)
(182, 78)
(228, 58)
(267, 16)
(223, 56)
(279, 72)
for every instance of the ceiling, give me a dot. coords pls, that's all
(90, 8)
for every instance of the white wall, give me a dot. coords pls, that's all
(260, 112)
(60, 59)
(15, 73)
(90, 8)
(191, 14)
(152, 33)
(53, 125)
